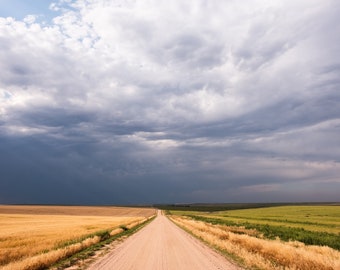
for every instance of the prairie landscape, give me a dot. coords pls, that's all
(191, 104)
(276, 237)
(284, 237)
(35, 237)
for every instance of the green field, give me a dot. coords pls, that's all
(310, 224)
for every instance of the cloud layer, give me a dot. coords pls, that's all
(171, 101)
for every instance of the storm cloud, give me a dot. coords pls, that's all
(121, 102)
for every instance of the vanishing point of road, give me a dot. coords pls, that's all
(162, 245)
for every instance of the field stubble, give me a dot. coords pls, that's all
(46, 234)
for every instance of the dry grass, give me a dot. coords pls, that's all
(24, 237)
(263, 253)
(44, 260)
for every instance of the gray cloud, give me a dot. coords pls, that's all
(155, 101)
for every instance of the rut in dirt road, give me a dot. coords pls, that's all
(162, 245)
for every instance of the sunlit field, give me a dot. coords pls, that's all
(286, 237)
(28, 231)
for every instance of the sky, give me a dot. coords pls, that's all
(154, 101)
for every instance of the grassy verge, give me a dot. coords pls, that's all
(234, 258)
(67, 253)
(283, 232)
(253, 252)
(28, 231)
(107, 237)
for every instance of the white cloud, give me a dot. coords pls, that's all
(29, 19)
(205, 58)
(169, 62)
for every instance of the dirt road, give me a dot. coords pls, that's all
(162, 245)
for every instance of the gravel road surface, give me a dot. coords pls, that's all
(162, 245)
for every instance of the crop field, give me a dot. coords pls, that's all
(289, 237)
(33, 235)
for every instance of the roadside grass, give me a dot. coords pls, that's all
(283, 237)
(254, 252)
(285, 233)
(27, 240)
(87, 253)
(311, 225)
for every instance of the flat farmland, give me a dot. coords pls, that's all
(289, 237)
(315, 218)
(30, 232)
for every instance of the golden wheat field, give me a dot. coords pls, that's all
(28, 232)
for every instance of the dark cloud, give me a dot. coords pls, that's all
(155, 101)
(55, 117)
